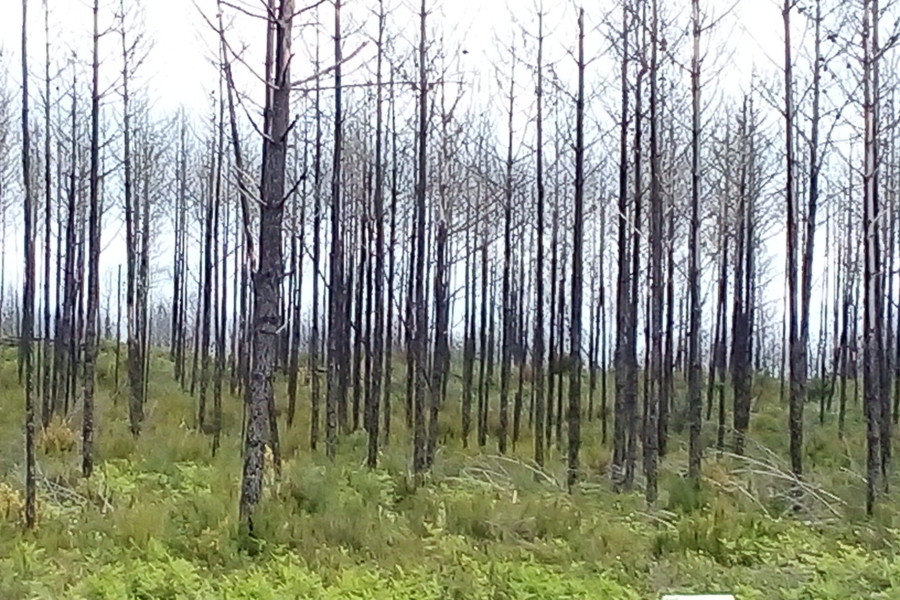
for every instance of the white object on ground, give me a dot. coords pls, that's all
(698, 597)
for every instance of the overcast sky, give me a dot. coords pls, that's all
(178, 70)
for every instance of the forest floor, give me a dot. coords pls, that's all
(158, 519)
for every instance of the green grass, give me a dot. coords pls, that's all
(159, 518)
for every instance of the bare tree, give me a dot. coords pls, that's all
(873, 352)
(625, 379)
(337, 301)
(93, 291)
(574, 415)
(420, 339)
(507, 334)
(268, 276)
(538, 347)
(694, 401)
(28, 289)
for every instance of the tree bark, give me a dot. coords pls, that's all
(574, 415)
(378, 350)
(336, 357)
(27, 327)
(623, 376)
(93, 291)
(268, 276)
(695, 451)
(421, 314)
(537, 353)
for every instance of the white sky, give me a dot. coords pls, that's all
(178, 69)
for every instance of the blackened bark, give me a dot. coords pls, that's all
(27, 326)
(359, 348)
(521, 343)
(655, 395)
(337, 391)
(314, 334)
(268, 276)
(46, 404)
(740, 324)
(297, 252)
(796, 345)
(623, 281)
(553, 358)
(873, 356)
(392, 263)
(483, 385)
(637, 234)
(421, 314)
(695, 403)
(507, 332)
(66, 337)
(134, 360)
(469, 334)
(93, 291)
(377, 353)
(537, 354)
(574, 416)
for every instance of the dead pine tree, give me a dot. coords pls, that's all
(93, 271)
(741, 326)
(873, 290)
(420, 340)
(656, 394)
(538, 351)
(269, 272)
(337, 355)
(27, 325)
(295, 285)
(378, 350)
(624, 390)
(65, 337)
(392, 269)
(133, 242)
(210, 203)
(631, 416)
(797, 353)
(574, 413)
(507, 333)
(695, 402)
(314, 330)
(46, 403)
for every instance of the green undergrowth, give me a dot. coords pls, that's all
(159, 517)
(339, 532)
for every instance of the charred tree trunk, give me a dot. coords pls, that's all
(421, 314)
(623, 376)
(873, 356)
(268, 276)
(655, 395)
(93, 291)
(336, 357)
(695, 403)
(574, 416)
(392, 263)
(378, 350)
(796, 343)
(314, 333)
(27, 327)
(537, 352)
(46, 404)
(507, 333)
